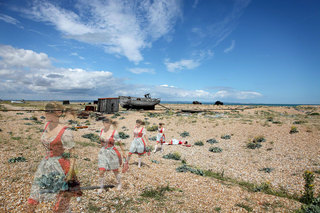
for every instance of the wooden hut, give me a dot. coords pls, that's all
(65, 102)
(108, 105)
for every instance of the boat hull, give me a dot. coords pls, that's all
(138, 103)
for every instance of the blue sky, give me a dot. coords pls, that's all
(260, 51)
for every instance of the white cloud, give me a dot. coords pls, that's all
(183, 64)
(166, 85)
(121, 27)
(238, 95)
(232, 46)
(9, 19)
(77, 55)
(141, 70)
(22, 58)
(26, 74)
(189, 64)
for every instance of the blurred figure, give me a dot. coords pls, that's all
(55, 175)
(138, 145)
(109, 157)
(161, 138)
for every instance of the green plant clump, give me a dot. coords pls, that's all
(152, 128)
(53, 182)
(157, 193)
(246, 207)
(258, 139)
(293, 130)
(154, 138)
(72, 122)
(185, 168)
(215, 149)
(16, 138)
(308, 196)
(123, 135)
(199, 143)
(92, 137)
(17, 159)
(173, 156)
(299, 122)
(226, 137)
(212, 141)
(266, 170)
(252, 145)
(184, 134)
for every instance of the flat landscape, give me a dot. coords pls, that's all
(256, 164)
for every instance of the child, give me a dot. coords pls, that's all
(109, 157)
(177, 142)
(55, 170)
(138, 145)
(160, 137)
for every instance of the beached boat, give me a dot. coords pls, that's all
(18, 102)
(147, 102)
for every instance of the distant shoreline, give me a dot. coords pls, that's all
(184, 102)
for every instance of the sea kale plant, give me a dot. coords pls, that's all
(198, 143)
(184, 134)
(173, 156)
(226, 136)
(212, 141)
(215, 149)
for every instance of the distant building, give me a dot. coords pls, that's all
(65, 102)
(108, 105)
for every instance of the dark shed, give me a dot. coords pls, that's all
(108, 105)
(65, 102)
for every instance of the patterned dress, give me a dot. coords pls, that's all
(161, 138)
(109, 157)
(49, 179)
(138, 146)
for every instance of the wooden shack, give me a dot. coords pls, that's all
(65, 102)
(108, 105)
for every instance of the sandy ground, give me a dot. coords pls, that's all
(287, 155)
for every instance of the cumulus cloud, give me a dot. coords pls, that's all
(12, 57)
(30, 75)
(142, 70)
(232, 46)
(122, 28)
(183, 64)
(27, 72)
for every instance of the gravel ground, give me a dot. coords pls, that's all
(286, 155)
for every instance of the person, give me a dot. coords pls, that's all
(161, 138)
(109, 157)
(177, 142)
(56, 169)
(138, 145)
